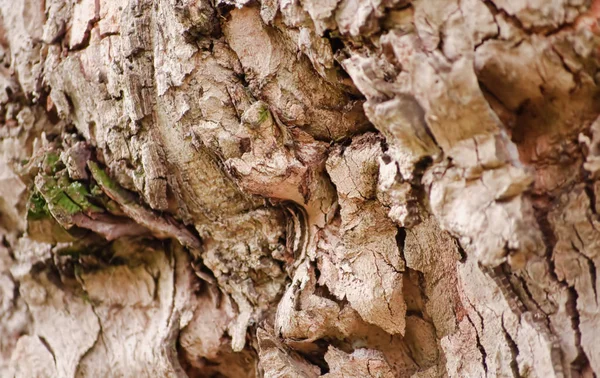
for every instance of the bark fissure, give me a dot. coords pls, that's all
(514, 351)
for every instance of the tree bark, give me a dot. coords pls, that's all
(299, 188)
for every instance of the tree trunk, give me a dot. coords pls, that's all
(299, 188)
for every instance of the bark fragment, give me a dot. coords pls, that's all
(299, 188)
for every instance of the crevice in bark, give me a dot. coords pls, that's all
(400, 239)
(317, 357)
(589, 262)
(529, 300)
(549, 239)
(581, 360)
(574, 74)
(500, 275)
(48, 347)
(85, 42)
(589, 190)
(98, 337)
(461, 251)
(546, 31)
(514, 350)
(479, 344)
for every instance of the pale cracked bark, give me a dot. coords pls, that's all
(299, 188)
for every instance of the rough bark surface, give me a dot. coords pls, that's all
(299, 188)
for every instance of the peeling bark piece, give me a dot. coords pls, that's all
(480, 20)
(294, 171)
(347, 269)
(109, 16)
(527, 81)
(361, 363)
(464, 344)
(289, 85)
(543, 15)
(292, 12)
(435, 253)
(276, 360)
(111, 228)
(575, 257)
(318, 50)
(11, 191)
(397, 194)
(31, 358)
(592, 163)
(161, 227)
(75, 159)
(303, 315)
(402, 121)
(348, 259)
(506, 335)
(14, 315)
(321, 12)
(361, 18)
(354, 169)
(148, 308)
(57, 313)
(204, 336)
(490, 205)
(85, 12)
(448, 121)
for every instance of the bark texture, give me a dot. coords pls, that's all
(299, 188)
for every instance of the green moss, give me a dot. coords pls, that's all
(57, 198)
(95, 169)
(113, 189)
(96, 191)
(263, 114)
(79, 194)
(66, 197)
(37, 207)
(63, 201)
(102, 177)
(52, 158)
(58, 201)
(52, 162)
(103, 200)
(42, 225)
